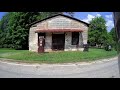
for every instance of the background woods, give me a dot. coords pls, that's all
(98, 35)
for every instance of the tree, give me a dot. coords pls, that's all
(113, 33)
(19, 27)
(113, 36)
(4, 32)
(15, 28)
(97, 32)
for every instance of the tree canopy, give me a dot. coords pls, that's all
(97, 32)
(112, 38)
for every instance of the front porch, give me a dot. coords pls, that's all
(62, 41)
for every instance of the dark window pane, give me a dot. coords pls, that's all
(75, 38)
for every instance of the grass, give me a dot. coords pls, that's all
(56, 57)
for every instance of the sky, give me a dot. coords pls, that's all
(87, 17)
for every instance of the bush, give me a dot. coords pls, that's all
(5, 46)
(107, 47)
(10, 45)
(0, 46)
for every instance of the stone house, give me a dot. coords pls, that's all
(58, 32)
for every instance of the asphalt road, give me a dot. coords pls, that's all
(106, 69)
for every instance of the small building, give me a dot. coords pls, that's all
(58, 32)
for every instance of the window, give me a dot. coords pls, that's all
(75, 38)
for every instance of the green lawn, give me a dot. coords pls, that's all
(56, 57)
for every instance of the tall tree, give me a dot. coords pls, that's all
(113, 34)
(19, 26)
(113, 37)
(97, 33)
(4, 34)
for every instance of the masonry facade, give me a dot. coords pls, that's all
(60, 32)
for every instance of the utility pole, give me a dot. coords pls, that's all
(117, 29)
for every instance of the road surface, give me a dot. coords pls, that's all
(104, 69)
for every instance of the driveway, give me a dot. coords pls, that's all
(107, 68)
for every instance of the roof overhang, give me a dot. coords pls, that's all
(59, 30)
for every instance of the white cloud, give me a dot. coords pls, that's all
(109, 22)
(90, 17)
(108, 16)
(98, 15)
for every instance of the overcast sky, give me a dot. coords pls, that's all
(87, 16)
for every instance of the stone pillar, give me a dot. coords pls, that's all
(80, 40)
(33, 40)
(68, 41)
(85, 36)
(48, 42)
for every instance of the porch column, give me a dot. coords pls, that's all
(33, 40)
(85, 36)
(68, 41)
(48, 42)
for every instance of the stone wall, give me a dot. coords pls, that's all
(60, 22)
(33, 40)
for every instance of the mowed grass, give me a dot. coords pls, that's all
(56, 57)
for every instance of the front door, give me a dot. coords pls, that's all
(58, 41)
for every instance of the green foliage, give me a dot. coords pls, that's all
(112, 38)
(113, 34)
(97, 32)
(14, 28)
(99, 35)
